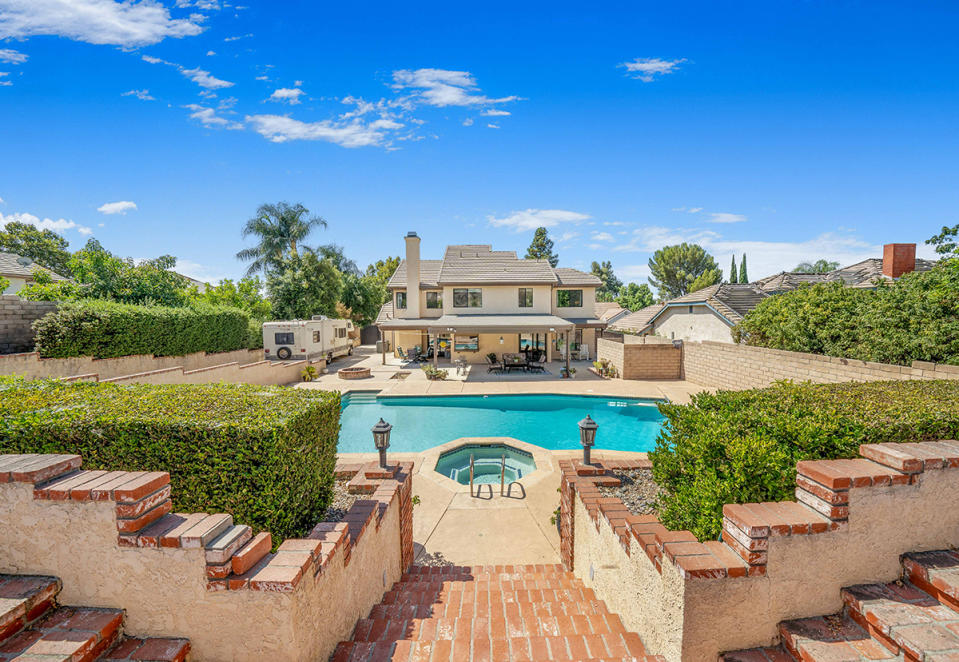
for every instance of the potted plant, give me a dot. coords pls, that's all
(308, 374)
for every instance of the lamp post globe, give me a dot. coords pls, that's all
(381, 438)
(587, 436)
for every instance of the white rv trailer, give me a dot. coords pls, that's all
(308, 339)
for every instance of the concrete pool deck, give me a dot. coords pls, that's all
(451, 525)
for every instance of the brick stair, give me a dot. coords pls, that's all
(490, 614)
(34, 629)
(914, 619)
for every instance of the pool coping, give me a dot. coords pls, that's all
(541, 456)
(505, 395)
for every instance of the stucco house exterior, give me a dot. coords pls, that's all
(20, 270)
(474, 301)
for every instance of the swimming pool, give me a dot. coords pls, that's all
(550, 421)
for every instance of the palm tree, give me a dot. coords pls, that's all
(280, 229)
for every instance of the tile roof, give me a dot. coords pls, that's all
(386, 313)
(731, 300)
(607, 310)
(478, 264)
(861, 274)
(638, 320)
(10, 265)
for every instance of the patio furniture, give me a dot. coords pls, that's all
(493, 365)
(514, 362)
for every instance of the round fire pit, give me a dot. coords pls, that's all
(353, 373)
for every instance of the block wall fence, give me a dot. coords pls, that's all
(16, 319)
(638, 357)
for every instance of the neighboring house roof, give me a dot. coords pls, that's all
(18, 266)
(862, 274)
(606, 311)
(730, 300)
(638, 320)
(478, 264)
(386, 313)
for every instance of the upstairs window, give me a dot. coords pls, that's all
(569, 298)
(526, 297)
(434, 300)
(468, 297)
(401, 300)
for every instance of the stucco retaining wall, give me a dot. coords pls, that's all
(642, 357)
(736, 367)
(166, 592)
(16, 319)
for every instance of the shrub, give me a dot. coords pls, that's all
(742, 446)
(106, 329)
(263, 454)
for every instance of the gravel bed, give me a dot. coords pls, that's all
(341, 503)
(638, 491)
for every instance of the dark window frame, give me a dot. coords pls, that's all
(437, 300)
(287, 339)
(470, 292)
(401, 296)
(571, 297)
(525, 297)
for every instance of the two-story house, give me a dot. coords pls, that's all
(475, 301)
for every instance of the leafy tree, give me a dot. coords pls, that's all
(4, 284)
(44, 247)
(635, 296)
(733, 274)
(743, 277)
(611, 284)
(280, 230)
(246, 294)
(380, 272)
(334, 253)
(541, 248)
(99, 274)
(300, 286)
(817, 267)
(675, 268)
(362, 297)
(946, 242)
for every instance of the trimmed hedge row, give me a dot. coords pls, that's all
(264, 454)
(743, 446)
(105, 329)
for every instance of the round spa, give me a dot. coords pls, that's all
(487, 463)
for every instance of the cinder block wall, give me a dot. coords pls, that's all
(642, 358)
(737, 367)
(16, 318)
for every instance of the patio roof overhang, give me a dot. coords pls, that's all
(484, 324)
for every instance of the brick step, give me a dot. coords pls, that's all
(77, 634)
(495, 596)
(904, 619)
(936, 573)
(430, 629)
(154, 649)
(555, 568)
(509, 581)
(23, 600)
(507, 610)
(577, 648)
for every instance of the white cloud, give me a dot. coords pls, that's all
(60, 225)
(297, 83)
(127, 24)
(287, 95)
(200, 272)
(142, 95)
(11, 56)
(352, 133)
(206, 5)
(242, 36)
(531, 219)
(493, 112)
(726, 217)
(263, 78)
(493, 126)
(442, 87)
(121, 207)
(688, 210)
(5, 83)
(602, 236)
(210, 53)
(647, 68)
(1, 201)
(208, 118)
(468, 121)
(566, 236)
(204, 79)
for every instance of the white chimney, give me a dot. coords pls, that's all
(412, 276)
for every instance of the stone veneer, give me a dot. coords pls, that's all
(690, 601)
(736, 367)
(111, 538)
(16, 322)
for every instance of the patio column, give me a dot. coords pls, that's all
(567, 351)
(436, 349)
(383, 345)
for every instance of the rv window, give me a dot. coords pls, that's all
(341, 333)
(316, 336)
(283, 338)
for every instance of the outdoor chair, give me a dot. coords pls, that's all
(400, 353)
(493, 365)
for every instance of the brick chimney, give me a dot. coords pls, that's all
(898, 259)
(412, 276)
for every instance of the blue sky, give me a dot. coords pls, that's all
(788, 130)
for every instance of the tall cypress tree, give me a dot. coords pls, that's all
(743, 278)
(733, 274)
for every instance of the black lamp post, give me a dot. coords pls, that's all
(381, 437)
(587, 436)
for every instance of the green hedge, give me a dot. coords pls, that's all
(264, 454)
(105, 329)
(743, 446)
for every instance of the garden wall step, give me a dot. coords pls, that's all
(23, 600)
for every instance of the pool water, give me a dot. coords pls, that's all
(550, 421)
(487, 463)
